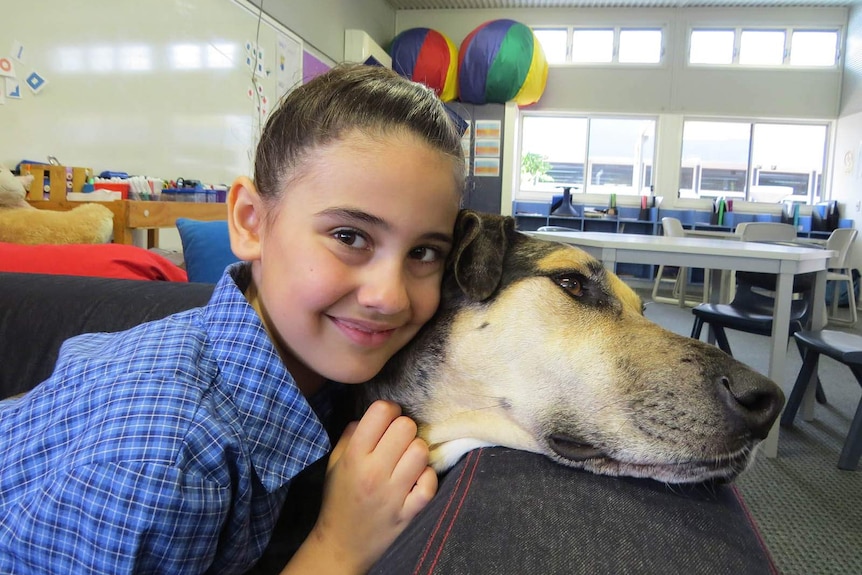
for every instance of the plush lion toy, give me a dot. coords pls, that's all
(21, 223)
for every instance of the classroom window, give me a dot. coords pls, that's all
(775, 47)
(598, 45)
(554, 43)
(813, 48)
(754, 161)
(640, 46)
(761, 47)
(592, 46)
(711, 47)
(588, 154)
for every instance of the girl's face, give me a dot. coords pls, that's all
(349, 267)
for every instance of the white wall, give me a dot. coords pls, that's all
(672, 90)
(321, 23)
(847, 159)
(673, 86)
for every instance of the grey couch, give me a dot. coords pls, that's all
(497, 511)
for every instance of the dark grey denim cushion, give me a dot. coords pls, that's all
(38, 312)
(501, 511)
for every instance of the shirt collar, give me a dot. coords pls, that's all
(284, 433)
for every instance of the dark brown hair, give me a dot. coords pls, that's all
(349, 97)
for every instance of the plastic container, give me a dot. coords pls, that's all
(121, 187)
(190, 195)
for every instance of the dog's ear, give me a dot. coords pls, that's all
(481, 241)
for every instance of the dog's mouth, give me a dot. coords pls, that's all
(575, 452)
(572, 448)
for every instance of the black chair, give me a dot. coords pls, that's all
(840, 346)
(751, 310)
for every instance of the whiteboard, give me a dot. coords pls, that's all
(163, 88)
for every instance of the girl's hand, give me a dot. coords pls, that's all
(377, 481)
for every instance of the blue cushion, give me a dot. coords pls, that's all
(206, 249)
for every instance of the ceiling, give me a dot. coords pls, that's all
(465, 4)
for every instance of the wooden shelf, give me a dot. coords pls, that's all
(130, 215)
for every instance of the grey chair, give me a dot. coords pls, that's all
(841, 240)
(672, 227)
(766, 232)
(840, 346)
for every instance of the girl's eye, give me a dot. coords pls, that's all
(425, 254)
(571, 284)
(351, 238)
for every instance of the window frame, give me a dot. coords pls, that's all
(617, 30)
(788, 44)
(587, 188)
(817, 179)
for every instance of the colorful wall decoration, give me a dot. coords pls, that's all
(501, 61)
(429, 57)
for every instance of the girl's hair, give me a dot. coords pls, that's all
(349, 97)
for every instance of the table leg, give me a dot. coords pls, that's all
(818, 321)
(716, 295)
(778, 353)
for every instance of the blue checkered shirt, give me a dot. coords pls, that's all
(164, 449)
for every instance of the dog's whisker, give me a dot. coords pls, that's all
(482, 408)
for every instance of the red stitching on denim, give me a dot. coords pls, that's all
(442, 517)
(457, 510)
(773, 569)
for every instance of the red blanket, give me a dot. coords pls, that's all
(100, 260)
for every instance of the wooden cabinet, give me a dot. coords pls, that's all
(131, 215)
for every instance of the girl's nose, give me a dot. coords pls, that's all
(383, 288)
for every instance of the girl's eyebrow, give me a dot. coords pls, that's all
(360, 216)
(354, 215)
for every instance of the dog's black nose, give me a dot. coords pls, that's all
(753, 398)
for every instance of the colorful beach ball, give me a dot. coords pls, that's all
(429, 57)
(501, 61)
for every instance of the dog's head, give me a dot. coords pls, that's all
(536, 346)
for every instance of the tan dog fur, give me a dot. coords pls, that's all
(552, 354)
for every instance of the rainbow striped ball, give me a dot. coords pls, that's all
(427, 56)
(501, 61)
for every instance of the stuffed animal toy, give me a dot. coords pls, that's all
(21, 223)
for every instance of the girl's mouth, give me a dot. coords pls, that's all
(362, 333)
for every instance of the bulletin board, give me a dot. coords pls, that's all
(163, 88)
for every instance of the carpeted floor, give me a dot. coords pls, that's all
(809, 511)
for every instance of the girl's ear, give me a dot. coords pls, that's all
(244, 207)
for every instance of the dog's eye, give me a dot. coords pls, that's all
(570, 283)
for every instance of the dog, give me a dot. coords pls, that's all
(536, 346)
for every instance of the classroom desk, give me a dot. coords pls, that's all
(721, 254)
(130, 215)
(726, 276)
(726, 235)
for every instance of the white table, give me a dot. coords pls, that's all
(721, 254)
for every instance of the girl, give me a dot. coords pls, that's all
(170, 448)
